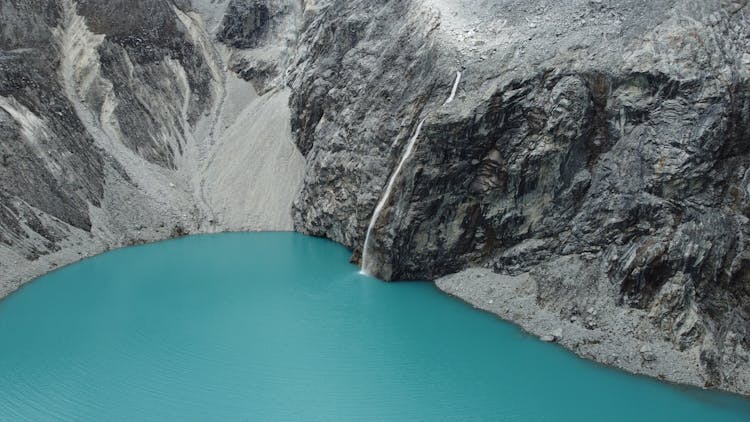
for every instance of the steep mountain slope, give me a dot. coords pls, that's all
(119, 128)
(582, 166)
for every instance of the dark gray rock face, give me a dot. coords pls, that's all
(364, 76)
(246, 23)
(47, 159)
(265, 30)
(629, 147)
(146, 35)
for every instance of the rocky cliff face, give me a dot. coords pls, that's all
(599, 147)
(595, 153)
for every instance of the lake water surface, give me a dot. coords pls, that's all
(279, 326)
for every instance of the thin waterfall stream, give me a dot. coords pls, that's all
(386, 196)
(408, 152)
(455, 88)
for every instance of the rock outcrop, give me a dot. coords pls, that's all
(595, 156)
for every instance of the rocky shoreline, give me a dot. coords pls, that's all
(618, 337)
(20, 271)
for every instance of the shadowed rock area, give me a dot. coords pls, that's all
(589, 179)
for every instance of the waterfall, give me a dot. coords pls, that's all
(386, 196)
(392, 181)
(455, 88)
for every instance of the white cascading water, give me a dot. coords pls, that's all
(392, 181)
(455, 88)
(386, 196)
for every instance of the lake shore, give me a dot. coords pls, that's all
(17, 270)
(614, 336)
(618, 337)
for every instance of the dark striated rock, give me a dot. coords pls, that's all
(246, 23)
(265, 32)
(48, 160)
(147, 35)
(76, 77)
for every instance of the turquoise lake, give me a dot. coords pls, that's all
(279, 326)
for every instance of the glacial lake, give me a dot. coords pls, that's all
(280, 326)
